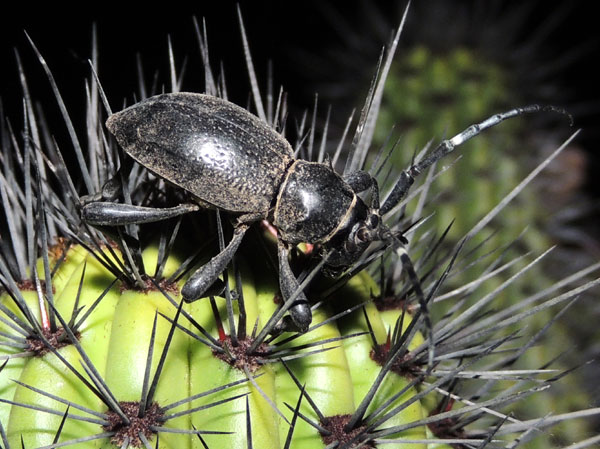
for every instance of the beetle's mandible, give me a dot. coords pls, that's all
(228, 159)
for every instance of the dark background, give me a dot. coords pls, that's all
(288, 33)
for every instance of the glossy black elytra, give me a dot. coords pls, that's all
(230, 160)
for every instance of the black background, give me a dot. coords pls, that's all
(278, 30)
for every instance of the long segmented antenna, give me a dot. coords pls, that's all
(408, 176)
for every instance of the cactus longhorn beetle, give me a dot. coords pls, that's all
(230, 160)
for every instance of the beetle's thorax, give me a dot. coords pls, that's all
(312, 203)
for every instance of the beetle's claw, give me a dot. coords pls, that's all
(109, 192)
(298, 320)
(287, 324)
(301, 315)
(87, 199)
(216, 289)
(196, 288)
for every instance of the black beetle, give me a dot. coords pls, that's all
(230, 160)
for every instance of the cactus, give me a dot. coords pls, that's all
(100, 350)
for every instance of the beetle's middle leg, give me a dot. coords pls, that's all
(205, 276)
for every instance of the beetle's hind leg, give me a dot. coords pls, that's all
(106, 213)
(101, 209)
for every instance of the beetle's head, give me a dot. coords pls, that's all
(363, 226)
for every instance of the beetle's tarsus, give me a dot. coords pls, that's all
(301, 316)
(112, 188)
(217, 288)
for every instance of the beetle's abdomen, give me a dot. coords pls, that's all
(312, 202)
(210, 147)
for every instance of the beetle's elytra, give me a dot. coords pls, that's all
(230, 160)
(212, 148)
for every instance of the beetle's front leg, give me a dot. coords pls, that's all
(198, 284)
(360, 181)
(300, 315)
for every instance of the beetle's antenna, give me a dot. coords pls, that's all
(407, 177)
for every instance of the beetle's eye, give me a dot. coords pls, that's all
(373, 221)
(363, 235)
(350, 246)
